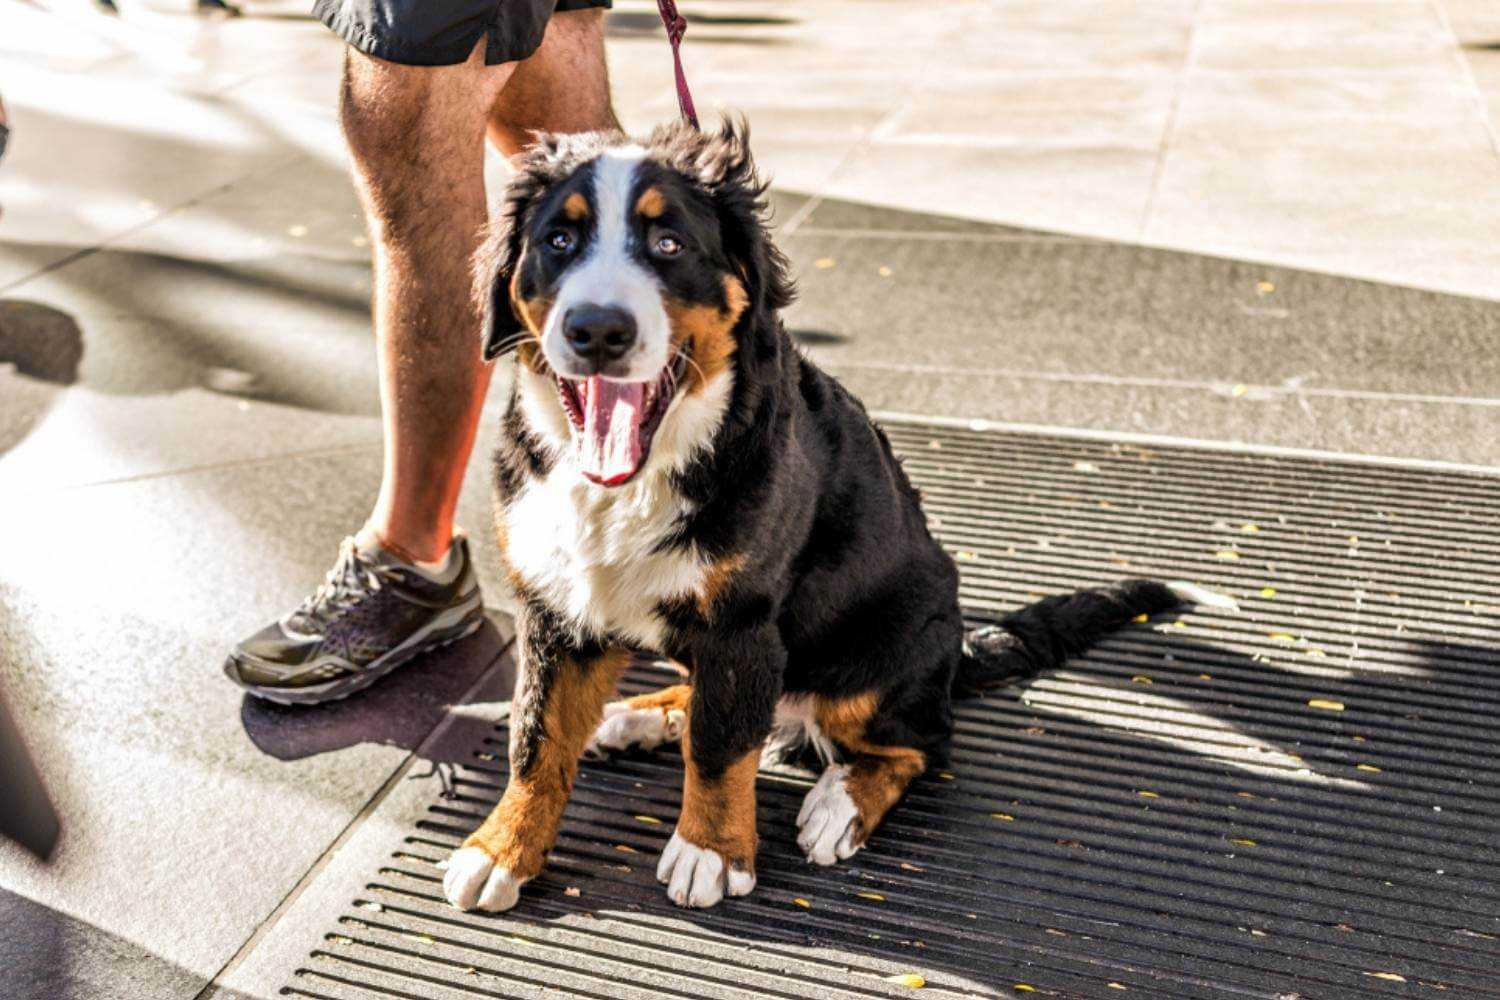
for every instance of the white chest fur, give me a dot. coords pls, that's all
(594, 553)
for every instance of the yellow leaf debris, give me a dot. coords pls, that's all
(1264, 287)
(1268, 592)
(824, 263)
(909, 867)
(1024, 988)
(1141, 679)
(884, 272)
(1367, 767)
(1282, 637)
(1227, 554)
(1394, 977)
(910, 980)
(652, 820)
(1006, 817)
(1325, 704)
(877, 897)
(1146, 795)
(1249, 529)
(802, 903)
(1242, 841)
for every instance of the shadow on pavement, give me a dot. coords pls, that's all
(402, 710)
(643, 24)
(45, 345)
(171, 323)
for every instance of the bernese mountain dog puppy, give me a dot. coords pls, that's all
(674, 476)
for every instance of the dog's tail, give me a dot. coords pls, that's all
(1044, 634)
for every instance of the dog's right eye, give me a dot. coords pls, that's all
(560, 240)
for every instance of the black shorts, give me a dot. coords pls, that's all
(443, 32)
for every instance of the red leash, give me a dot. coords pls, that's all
(677, 27)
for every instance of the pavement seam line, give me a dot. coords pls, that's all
(397, 775)
(939, 236)
(1169, 129)
(187, 470)
(88, 251)
(1482, 105)
(980, 424)
(1261, 393)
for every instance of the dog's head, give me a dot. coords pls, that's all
(632, 276)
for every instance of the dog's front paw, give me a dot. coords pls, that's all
(699, 876)
(829, 826)
(625, 727)
(474, 881)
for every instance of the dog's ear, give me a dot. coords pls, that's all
(722, 163)
(503, 246)
(495, 265)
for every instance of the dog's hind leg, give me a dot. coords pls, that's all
(644, 722)
(852, 797)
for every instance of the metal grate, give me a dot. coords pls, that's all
(1301, 799)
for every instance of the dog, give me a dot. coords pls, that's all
(674, 476)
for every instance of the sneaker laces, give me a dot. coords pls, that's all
(353, 578)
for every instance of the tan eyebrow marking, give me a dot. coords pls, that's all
(651, 204)
(576, 207)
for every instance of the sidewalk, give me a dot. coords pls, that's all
(1265, 222)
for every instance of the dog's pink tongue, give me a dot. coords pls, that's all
(610, 446)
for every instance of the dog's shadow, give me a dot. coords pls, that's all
(1161, 786)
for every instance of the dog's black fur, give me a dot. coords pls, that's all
(842, 589)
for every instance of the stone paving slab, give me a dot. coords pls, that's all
(188, 809)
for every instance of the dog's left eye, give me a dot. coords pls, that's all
(560, 240)
(668, 246)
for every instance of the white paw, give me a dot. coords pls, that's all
(829, 819)
(697, 876)
(625, 727)
(473, 881)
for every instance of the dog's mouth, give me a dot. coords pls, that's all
(614, 422)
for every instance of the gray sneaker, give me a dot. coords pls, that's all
(372, 614)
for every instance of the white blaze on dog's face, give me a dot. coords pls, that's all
(607, 318)
(618, 274)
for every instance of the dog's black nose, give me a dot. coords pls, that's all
(600, 333)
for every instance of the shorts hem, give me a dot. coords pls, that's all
(390, 49)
